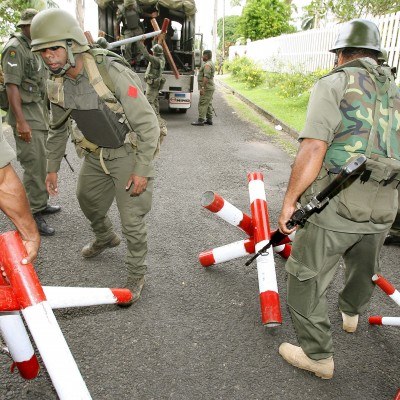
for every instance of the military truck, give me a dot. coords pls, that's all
(183, 43)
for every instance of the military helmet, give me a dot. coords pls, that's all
(128, 3)
(157, 49)
(27, 16)
(358, 33)
(383, 56)
(54, 25)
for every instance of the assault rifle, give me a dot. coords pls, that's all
(300, 216)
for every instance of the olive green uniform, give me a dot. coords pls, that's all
(395, 229)
(105, 172)
(6, 151)
(342, 228)
(205, 103)
(154, 80)
(26, 70)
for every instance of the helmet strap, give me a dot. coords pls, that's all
(70, 60)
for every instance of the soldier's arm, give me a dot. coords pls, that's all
(140, 115)
(142, 48)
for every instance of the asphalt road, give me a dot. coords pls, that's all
(196, 333)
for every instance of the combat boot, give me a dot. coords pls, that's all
(42, 226)
(135, 284)
(208, 122)
(51, 210)
(295, 355)
(95, 248)
(392, 239)
(350, 322)
(199, 122)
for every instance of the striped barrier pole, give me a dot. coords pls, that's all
(268, 287)
(226, 253)
(228, 212)
(387, 287)
(39, 317)
(397, 397)
(237, 249)
(379, 320)
(14, 333)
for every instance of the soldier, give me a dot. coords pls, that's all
(205, 79)
(129, 15)
(154, 80)
(24, 77)
(14, 203)
(354, 109)
(117, 163)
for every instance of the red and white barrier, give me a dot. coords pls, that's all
(268, 287)
(226, 253)
(40, 320)
(397, 397)
(228, 212)
(387, 287)
(379, 320)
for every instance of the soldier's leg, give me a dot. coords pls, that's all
(362, 262)
(203, 106)
(209, 115)
(132, 211)
(311, 267)
(32, 157)
(96, 192)
(152, 97)
(394, 233)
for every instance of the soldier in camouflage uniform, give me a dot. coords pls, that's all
(355, 109)
(154, 80)
(119, 136)
(24, 77)
(205, 79)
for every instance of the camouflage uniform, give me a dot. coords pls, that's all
(354, 110)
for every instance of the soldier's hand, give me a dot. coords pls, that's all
(138, 183)
(32, 248)
(202, 92)
(286, 213)
(51, 183)
(24, 131)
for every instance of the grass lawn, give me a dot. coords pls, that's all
(292, 111)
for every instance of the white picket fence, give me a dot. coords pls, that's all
(309, 50)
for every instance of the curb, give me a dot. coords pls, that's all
(264, 113)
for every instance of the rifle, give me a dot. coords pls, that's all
(300, 216)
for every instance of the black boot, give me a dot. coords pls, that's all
(199, 122)
(392, 239)
(208, 122)
(51, 210)
(43, 228)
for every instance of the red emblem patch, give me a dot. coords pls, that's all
(132, 92)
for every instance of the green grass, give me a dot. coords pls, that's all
(291, 111)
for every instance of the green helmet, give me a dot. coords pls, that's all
(383, 56)
(157, 49)
(359, 33)
(54, 25)
(27, 16)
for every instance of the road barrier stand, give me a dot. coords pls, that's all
(21, 292)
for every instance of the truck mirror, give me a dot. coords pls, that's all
(197, 58)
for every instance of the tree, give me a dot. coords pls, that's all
(231, 31)
(262, 19)
(345, 10)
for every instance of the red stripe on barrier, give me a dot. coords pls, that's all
(122, 295)
(385, 285)
(8, 302)
(206, 258)
(397, 397)
(270, 308)
(216, 205)
(23, 279)
(249, 245)
(28, 369)
(246, 224)
(285, 253)
(259, 211)
(375, 320)
(254, 176)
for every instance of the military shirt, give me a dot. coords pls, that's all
(6, 151)
(323, 120)
(25, 69)
(207, 70)
(156, 63)
(79, 94)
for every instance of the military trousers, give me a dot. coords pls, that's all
(152, 97)
(131, 49)
(32, 157)
(311, 267)
(395, 229)
(96, 192)
(205, 105)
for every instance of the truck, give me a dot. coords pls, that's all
(184, 44)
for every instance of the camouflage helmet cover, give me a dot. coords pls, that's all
(358, 33)
(55, 25)
(27, 16)
(157, 49)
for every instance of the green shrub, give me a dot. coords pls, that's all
(243, 69)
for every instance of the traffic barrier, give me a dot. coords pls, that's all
(379, 320)
(268, 287)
